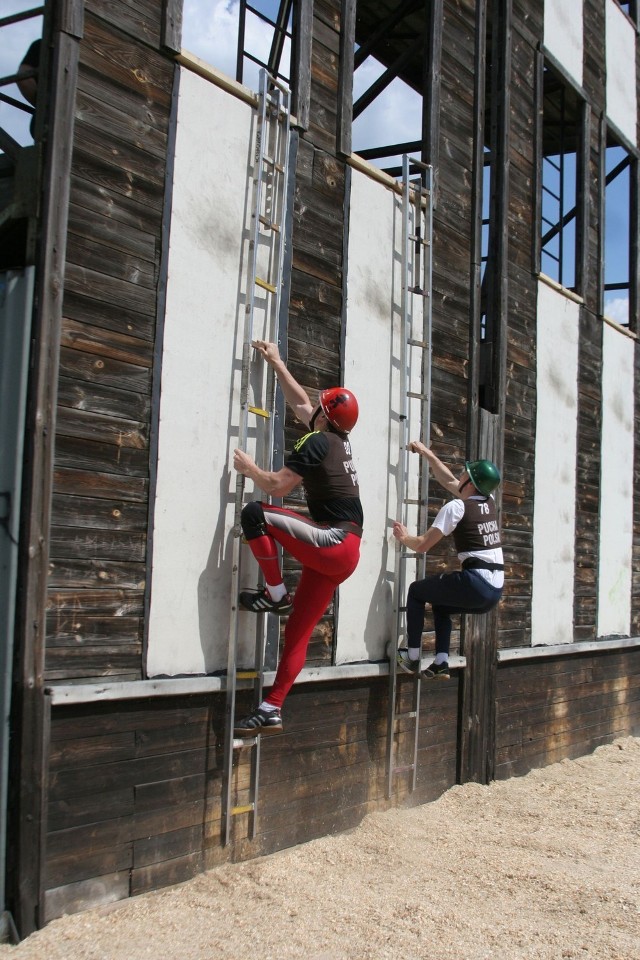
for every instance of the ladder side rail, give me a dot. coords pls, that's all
(415, 251)
(427, 321)
(231, 682)
(270, 177)
(401, 506)
(280, 127)
(281, 136)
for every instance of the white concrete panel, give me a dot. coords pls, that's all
(555, 468)
(372, 350)
(616, 490)
(621, 95)
(563, 33)
(191, 563)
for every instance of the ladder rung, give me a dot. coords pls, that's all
(417, 396)
(410, 766)
(269, 224)
(416, 503)
(247, 674)
(265, 286)
(240, 742)
(259, 412)
(418, 343)
(416, 237)
(247, 808)
(419, 291)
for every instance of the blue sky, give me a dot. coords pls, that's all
(210, 31)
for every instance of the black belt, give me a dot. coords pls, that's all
(474, 563)
(348, 525)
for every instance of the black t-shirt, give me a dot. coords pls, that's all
(324, 461)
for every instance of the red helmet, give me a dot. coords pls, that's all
(340, 407)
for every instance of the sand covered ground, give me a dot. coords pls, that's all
(545, 866)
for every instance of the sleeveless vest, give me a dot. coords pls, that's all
(478, 529)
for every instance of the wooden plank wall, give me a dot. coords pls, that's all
(564, 707)
(520, 388)
(101, 482)
(135, 787)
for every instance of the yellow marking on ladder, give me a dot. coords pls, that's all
(247, 808)
(259, 412)
(265, 286)
(246, 674)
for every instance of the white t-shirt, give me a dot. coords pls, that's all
(448, 519)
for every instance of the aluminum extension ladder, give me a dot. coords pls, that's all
(264, 286)
(415, 405)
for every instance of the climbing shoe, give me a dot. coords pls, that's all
(437, 671)
(405, 664)
(259, 601)
(259, 722)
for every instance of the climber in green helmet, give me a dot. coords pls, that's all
(477, 587)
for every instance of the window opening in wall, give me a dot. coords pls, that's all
(630, 7)
(385, 103)
(20, 29)
(23, 98)
(617, 231)
(561, 140)
(389, 80)
(486, 319)
(264, 40)
(241, 38)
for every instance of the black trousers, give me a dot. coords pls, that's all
(465, 591)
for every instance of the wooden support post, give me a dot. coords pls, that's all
(28, 709)
(345, 77)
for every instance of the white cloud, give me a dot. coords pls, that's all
(210, 30)
(617, 309)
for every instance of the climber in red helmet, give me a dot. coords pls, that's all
(327, 543)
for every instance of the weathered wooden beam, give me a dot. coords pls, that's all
(171, 30)
(345, 77)
(301, 61)
(32, 728)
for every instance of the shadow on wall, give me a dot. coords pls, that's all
(380, 611)
(211, 624)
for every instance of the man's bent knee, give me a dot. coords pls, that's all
(252, 520)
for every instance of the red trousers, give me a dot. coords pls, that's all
(328, 556)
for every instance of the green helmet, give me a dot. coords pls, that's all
(484, 475)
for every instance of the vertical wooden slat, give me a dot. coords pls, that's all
(479, 644)
(172, 25)
(39, 458)
(345, 77)
(538, 95)
(582, 199)
(431, 91)
(301, 61)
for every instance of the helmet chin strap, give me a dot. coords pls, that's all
(314, 416)
(468, 480)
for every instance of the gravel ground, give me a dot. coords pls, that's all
(545, 866)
